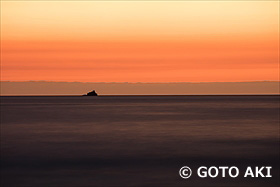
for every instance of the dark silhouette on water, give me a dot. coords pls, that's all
(92, 93)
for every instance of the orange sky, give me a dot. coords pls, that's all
(183, 41)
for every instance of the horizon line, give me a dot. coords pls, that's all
(71, 95)
(42, 81)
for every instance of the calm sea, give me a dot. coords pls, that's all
(136, 140)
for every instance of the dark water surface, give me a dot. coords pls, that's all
(136, 140)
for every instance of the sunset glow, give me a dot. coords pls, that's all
(122, 41)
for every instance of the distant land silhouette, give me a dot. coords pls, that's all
(92, 93)
(78, 88)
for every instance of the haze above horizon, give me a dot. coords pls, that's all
(79, 88)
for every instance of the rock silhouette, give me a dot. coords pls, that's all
(92, 93)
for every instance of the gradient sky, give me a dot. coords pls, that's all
(183, 41)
